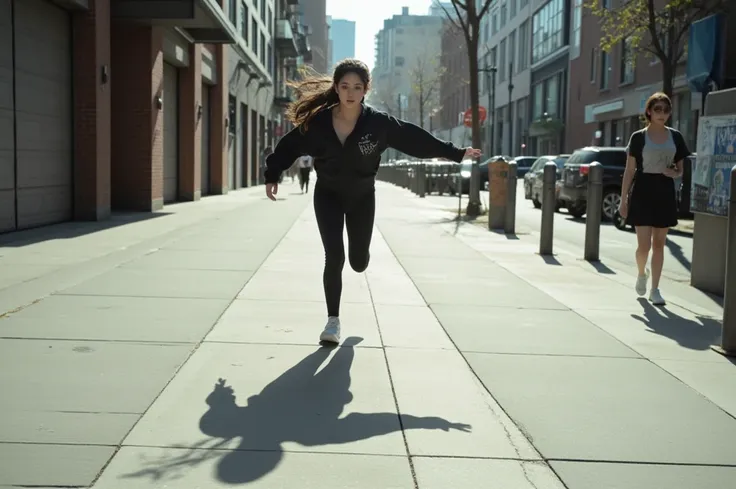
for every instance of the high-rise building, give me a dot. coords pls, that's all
(314, 15)
(407, 53)
(342, 40)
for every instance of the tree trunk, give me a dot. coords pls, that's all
(473, 208)
(668, 77)
(421, 107)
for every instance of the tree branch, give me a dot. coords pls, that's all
(451, 19)
(484, 9)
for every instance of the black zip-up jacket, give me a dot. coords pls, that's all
(354, 165)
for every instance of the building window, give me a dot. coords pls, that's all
(577, 21)
(502, 61)
(493, 56)
(523, 3)
(523, 46)
(269, 21)
(494, 23)
(254, 33)
(503, 14)
(263, 11)
(232, 10)
(605, 70)
(399, 61)
(538, 107)
(627, 62)
(269, 54)
(552, 89)
(512, 9)
(244, 21)
(263, 49)
(593, 65)
(512, 53)
(547, 30)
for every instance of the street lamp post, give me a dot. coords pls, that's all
(490, 72)
(511, 121)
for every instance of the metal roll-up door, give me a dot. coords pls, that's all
(171, 132)
(205, 139)
(43, 113)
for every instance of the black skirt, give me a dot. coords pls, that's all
(653, 201)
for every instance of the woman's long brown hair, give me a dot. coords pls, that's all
(318, 92)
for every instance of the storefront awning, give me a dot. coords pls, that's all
(704, 53)
(203, 20)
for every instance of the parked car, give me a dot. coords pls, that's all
(523, 165)
(531, 174)
(574, 190)
(538, 178)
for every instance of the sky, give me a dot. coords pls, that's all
(369, 16)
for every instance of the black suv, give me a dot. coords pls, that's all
(574, 191)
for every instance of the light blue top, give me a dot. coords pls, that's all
(657, 157)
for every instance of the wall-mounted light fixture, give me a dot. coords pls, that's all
(199, 111)
(159, 102)
(104, 75)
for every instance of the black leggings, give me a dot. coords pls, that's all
(333, 210)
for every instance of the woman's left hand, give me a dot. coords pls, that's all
(472, 153)
(671, 172)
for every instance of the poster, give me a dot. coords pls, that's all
(716, 155)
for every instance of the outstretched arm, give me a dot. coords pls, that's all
(415, 141)
(288, 149)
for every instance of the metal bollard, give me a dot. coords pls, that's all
(728, 334)
(548, 208)
(509, 224)
(593, 212)
(422, 180)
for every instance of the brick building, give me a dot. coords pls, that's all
(128, 105)
(607, 91)
(454, 88)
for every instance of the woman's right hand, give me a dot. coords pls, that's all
(271, 190)
(623, 209)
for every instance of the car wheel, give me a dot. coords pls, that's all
(611, 201)
(576, 211)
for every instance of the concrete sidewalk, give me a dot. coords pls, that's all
(187, 357)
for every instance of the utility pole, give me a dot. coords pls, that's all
(490, 72)
(511, 121)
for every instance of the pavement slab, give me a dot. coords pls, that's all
(474, 473)
(586, 475)
(111, 318)
(290, 286)
(278, 398)
(192, 284)
(439, 383)
(527, 331)
(411, 327)
(149, 468)
(37, 465)
(262, 321)
(607, 409)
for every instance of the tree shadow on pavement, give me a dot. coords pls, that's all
(696, 335)
(301, 406)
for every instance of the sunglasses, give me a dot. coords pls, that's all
(661, 109)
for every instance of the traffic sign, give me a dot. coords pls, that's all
(468, 116)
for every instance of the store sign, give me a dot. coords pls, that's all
(711, 172)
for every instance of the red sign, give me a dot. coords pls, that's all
(468, 116)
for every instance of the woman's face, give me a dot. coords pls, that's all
(660, 112)
(351, 90)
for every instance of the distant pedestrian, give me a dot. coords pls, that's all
(305, 168)
(648, 198)
(346, 139)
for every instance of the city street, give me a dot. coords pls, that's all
(181, 351)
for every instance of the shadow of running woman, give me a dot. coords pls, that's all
(301, 406)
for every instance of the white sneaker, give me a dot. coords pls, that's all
(331, 334)
(641, 283)
(656, 298)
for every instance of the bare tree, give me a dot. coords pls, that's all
(656, 29)
(383, 95)
(468, 16)
(425, 77)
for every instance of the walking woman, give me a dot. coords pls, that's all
(346, 138)
(655, 159)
